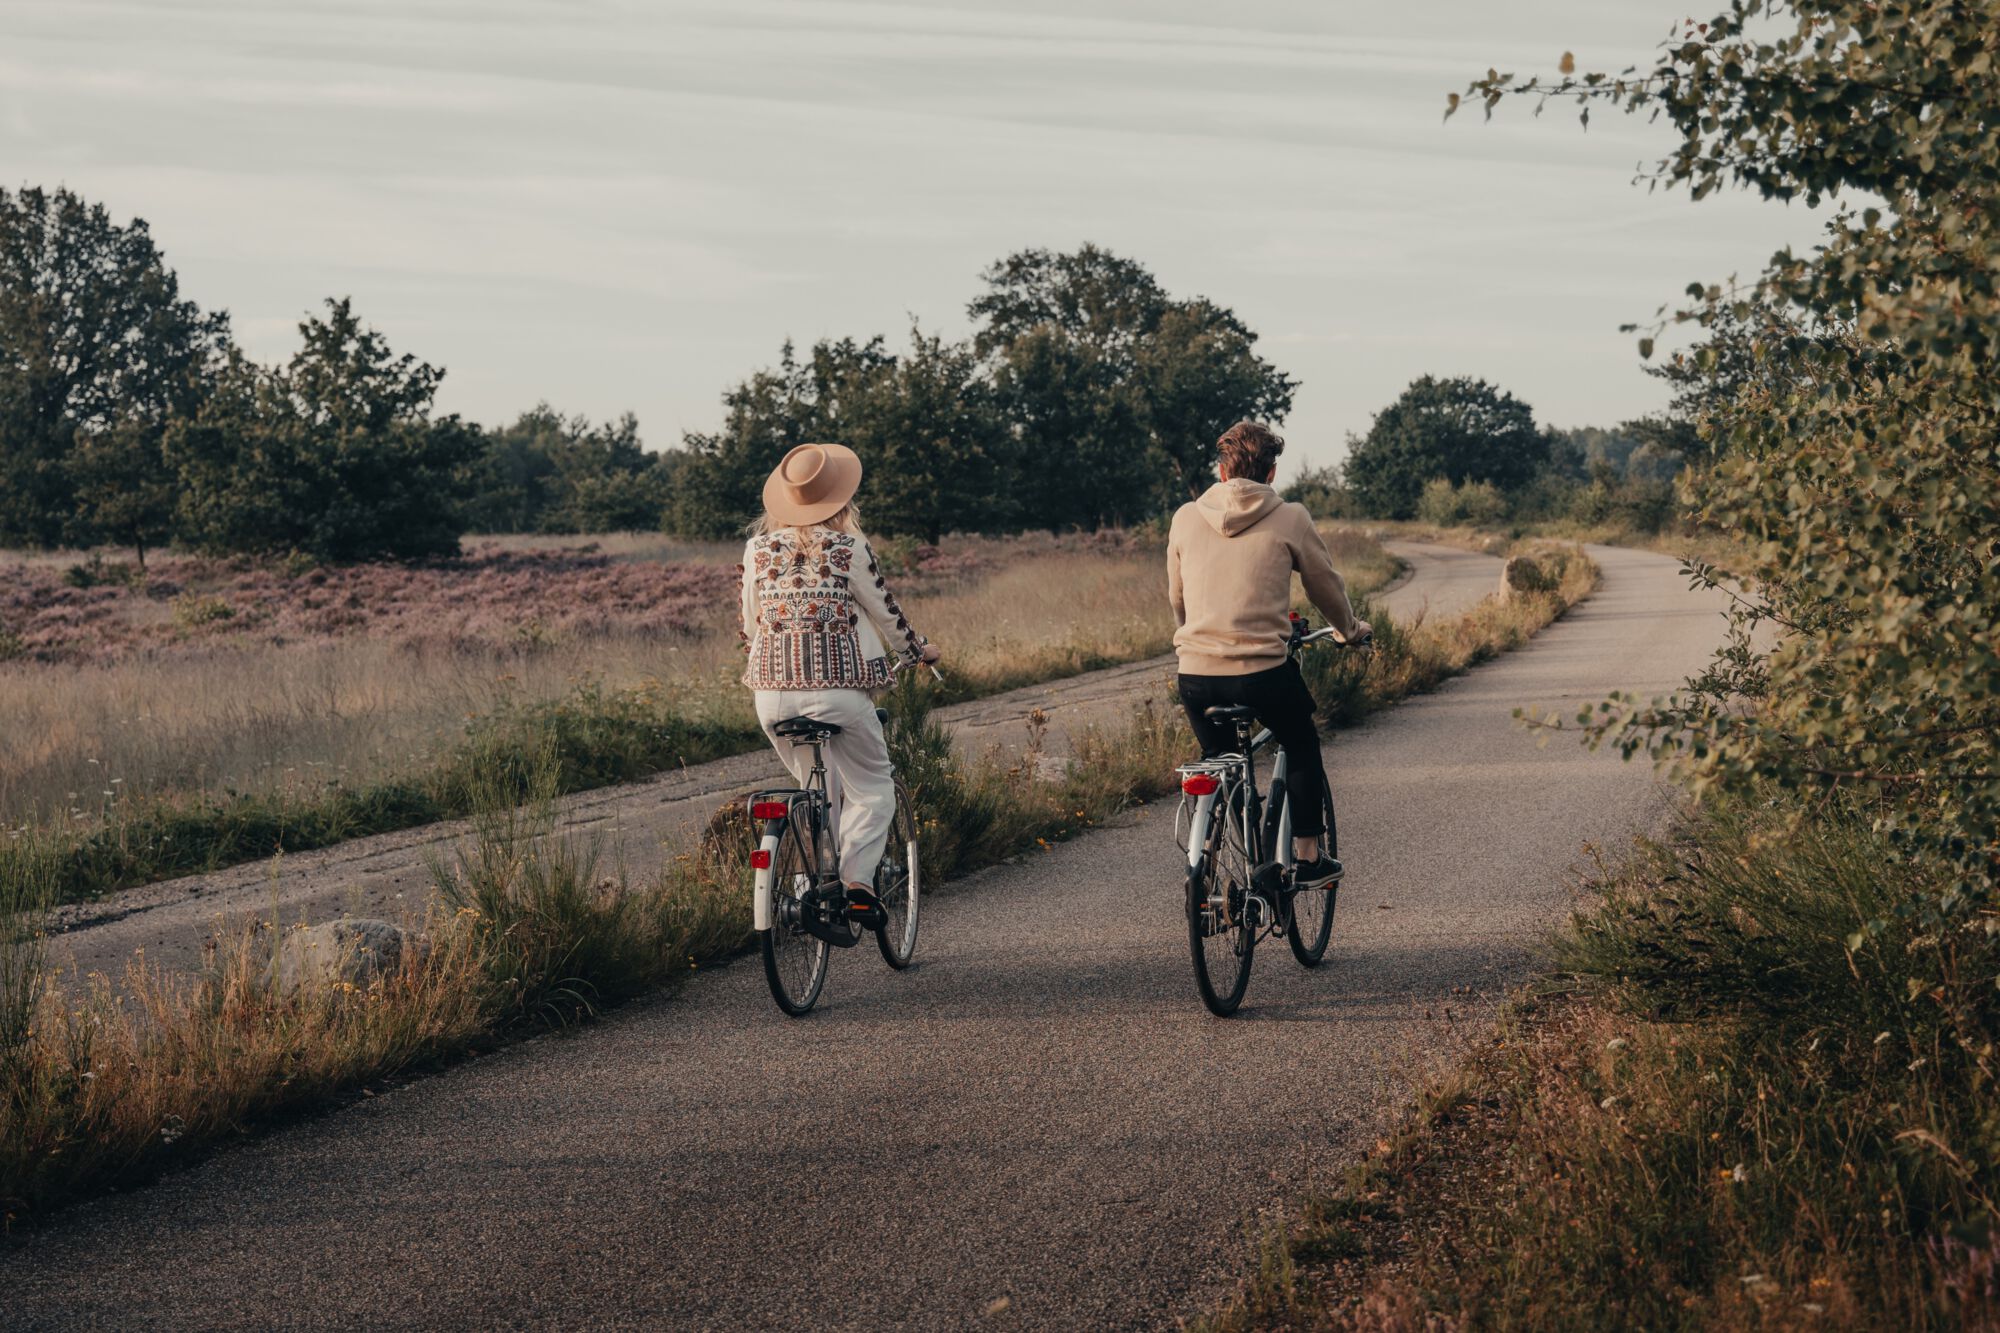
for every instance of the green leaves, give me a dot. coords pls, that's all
(1854, 393)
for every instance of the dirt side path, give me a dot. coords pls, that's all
(385, 875)
(1038, 1124)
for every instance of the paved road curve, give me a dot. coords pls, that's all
(385, 875)
(1039, 1111)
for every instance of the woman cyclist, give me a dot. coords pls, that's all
(819, 622)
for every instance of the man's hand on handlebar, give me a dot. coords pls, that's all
(1363, 636)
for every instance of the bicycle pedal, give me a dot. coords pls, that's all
(865, 910)
(1269, 882)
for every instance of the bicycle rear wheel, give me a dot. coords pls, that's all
(794, 959)
(899, 883)
(1222, 933)
(1312, 909)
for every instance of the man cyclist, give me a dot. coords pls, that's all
(1230, 559)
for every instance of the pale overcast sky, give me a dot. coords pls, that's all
(618, 204)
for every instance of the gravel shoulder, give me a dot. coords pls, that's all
(385, 874)
(1039, 1113)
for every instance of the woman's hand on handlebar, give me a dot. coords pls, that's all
(1363, 633)
(931, 655)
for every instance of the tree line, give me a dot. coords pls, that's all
(1086, 395)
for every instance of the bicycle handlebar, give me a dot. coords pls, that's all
(1301, 637)
(908, 659)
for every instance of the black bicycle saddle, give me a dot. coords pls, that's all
(1229, 713)
(806, 726)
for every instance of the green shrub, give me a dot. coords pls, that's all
(97, 572)
(1470, 504)
(192, 611)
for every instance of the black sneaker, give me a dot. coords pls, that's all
(1317, 873)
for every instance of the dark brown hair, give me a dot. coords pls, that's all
(1249, 449)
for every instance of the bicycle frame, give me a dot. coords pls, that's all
(1234, 770)
(1262, 834)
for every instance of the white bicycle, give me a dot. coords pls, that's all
(801, 909)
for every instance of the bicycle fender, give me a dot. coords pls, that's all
(1204, 810)
(760, 900)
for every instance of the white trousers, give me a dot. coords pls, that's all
(860, 782)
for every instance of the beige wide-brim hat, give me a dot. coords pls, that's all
(811, 484)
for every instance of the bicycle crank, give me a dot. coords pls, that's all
(825, 915)
(1269, 882)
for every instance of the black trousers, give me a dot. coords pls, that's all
(1283, 704)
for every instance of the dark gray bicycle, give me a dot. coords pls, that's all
(1238, 839)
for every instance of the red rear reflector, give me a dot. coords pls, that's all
(1199, 784)
(768, 810)
(760, 859)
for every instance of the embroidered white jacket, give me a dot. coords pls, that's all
(819, 621)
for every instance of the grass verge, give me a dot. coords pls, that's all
(105, 1087)
(1758, 1093)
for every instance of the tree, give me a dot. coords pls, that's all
(97, 348)
(551, 473)
(1457, 429)
(1091, 295)
(1859, 430)
(1077, 427)
(720, 476)
(925, 425)
(335, 454)
(1197, 376)
(1115, 392)
(122, 487)
(1320, 490)
(932, 441)
(1088, 396)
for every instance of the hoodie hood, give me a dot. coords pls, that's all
(1233, 506)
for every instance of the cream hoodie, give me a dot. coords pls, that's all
(1230, 559)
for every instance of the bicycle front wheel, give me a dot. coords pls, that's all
(899, 884)
(794, 958)
(1222, 933)
(1312, 909)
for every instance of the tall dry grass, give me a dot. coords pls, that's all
(246, 715)
(1756, 1093)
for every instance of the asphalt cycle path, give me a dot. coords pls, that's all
(1039, 1124)
(385, 874)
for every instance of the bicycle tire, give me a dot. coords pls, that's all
(1316, 920)
(795, 960)
(1222, 941)
(899, 884)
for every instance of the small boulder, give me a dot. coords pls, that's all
(1522, 575)
(354, 950)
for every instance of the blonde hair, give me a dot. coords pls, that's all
(846, 519)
